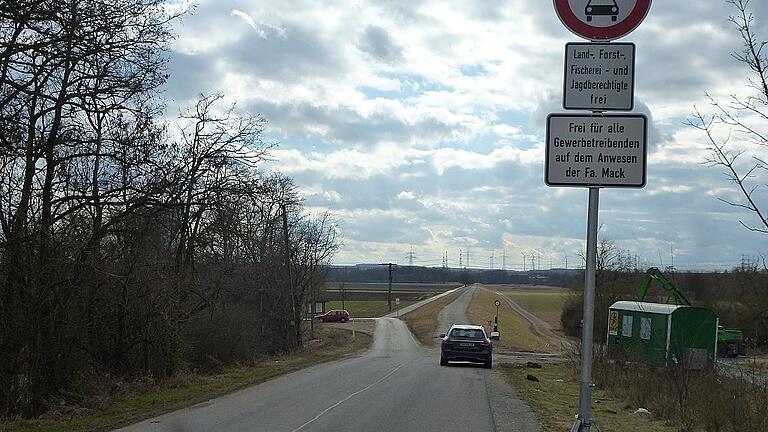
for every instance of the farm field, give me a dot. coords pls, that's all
(356, 291)
(367, 308)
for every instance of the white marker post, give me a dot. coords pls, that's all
(596, 151)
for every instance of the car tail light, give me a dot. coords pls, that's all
(447, 343)
(485, 344)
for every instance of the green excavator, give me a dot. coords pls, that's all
(730, 343)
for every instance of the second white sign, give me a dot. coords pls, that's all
(598, 151)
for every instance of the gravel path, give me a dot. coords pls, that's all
(510, 412)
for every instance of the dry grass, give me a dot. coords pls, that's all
(515, 331)
(423, 321)
(555, 400)
(547, 305)
(724, 401)
(755, 365)
(185, 389)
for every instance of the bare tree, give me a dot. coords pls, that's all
(743, 163)
(67, 69)
(124, 247)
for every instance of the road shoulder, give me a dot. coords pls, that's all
(510, 412)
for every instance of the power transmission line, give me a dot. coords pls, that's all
(411, 256)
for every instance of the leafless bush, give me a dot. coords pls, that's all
(695, 400)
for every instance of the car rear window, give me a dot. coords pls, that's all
(467, 334)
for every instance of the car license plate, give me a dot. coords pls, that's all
(466, 344)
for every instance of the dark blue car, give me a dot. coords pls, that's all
(467, 343)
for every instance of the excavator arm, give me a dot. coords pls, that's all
(655, 274)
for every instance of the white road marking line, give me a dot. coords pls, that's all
(347, 398)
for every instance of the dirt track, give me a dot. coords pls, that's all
(538, 326)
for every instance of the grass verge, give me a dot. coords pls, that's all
(516, 334)
(555, 400)
(547, 305)
(367, 309)
(183, 391)
(423, 321)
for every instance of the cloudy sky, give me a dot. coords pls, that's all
(420, 124)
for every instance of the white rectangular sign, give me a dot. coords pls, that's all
(599, 76)
(596, 151)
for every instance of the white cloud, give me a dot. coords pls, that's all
(247, 18)
(425, 118)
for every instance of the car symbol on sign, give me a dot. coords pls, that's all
(602, 8)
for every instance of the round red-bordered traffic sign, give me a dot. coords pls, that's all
(588, 30)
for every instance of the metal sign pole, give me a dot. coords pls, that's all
(585, 394)
(563, 170)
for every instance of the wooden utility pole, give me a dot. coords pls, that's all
(389, 288)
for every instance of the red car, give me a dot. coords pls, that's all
(337, 315)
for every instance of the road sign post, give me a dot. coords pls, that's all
(596, 151)
(585, 420)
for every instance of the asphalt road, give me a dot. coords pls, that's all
(456, 311)
(417, 305)
(396, 386)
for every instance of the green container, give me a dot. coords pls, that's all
(662, 334)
